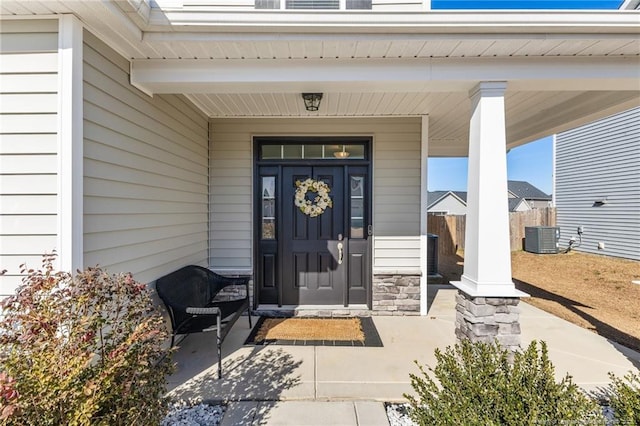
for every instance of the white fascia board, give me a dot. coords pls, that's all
(386, 75)
(256, 37)
(476, 21)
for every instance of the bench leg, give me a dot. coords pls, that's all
(219, 345)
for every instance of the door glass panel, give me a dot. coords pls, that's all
(356, 152)
(270, 152)
(292, 151)
(356, 193)
(357, 208)
(268, 207)
(313, 151)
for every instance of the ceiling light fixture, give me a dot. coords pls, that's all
(341, 154)
(312, 101)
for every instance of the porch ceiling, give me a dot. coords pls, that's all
(453, 51)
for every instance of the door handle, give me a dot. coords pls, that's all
(340, 253)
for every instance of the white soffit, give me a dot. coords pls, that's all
(564, 68)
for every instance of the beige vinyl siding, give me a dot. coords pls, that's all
(396, 172)
(145, 173)
(28, 145)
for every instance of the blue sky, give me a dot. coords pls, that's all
(531, 162)
(525, 4)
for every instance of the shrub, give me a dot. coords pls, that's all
(80, 350)
(479, 384)
(625, 398)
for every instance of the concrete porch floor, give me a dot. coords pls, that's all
(304, 385)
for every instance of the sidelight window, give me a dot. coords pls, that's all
(268, 207)
(356, 195)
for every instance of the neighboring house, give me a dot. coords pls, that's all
(598, 185)
(146, 135)
(522, 196)
(518, 205)
(535, 199)
(447, 202)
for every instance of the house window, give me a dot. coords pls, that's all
(268, 207)
(314, 4)
(359, 4)
(267, 4)
(356, 195)
(312, 152)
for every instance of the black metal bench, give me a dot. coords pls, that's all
(195, 300)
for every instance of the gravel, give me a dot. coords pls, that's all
(181, 414)
(398, 415)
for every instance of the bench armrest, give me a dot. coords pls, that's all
(203, 311)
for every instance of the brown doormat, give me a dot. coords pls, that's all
(356, 331)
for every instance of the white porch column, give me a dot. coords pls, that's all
(70, 144)
(487, 303)
(424, 156)
(487, 254)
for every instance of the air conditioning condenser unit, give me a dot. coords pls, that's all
(541, 239)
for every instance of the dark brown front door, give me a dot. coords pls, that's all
(304, 259)
(313, 255)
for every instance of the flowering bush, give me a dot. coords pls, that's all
(80, 350)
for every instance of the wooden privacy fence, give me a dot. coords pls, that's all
(450, 229)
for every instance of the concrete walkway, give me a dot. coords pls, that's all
(299, 385)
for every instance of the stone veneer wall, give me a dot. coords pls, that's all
(487, 319)
(395, 294)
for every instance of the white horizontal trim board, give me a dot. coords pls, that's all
(396, 201)
(28, 245)
(29, 123)
(28, 147)
(25, 184)
(28, 164)
(27, 204)
(383, 75)
(29, 42)
(28, 144)
(436, 21)
(29, 103)
(600, 161)
(25, 83)
(23, 224)
(146, 171)
(29, 63)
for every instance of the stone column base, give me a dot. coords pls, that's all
(488, 319)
